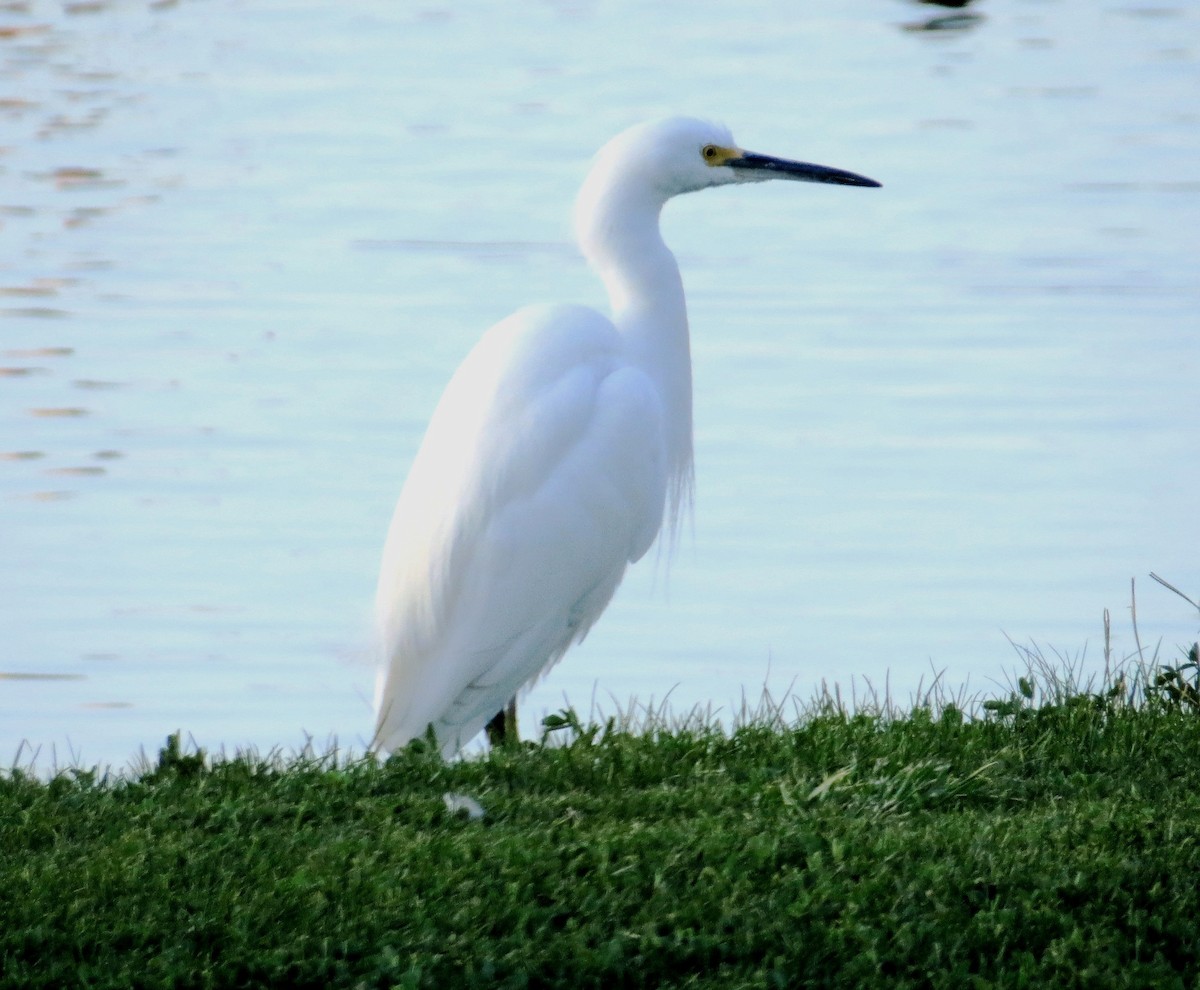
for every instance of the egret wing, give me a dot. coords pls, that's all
(541, 477)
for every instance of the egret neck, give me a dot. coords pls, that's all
(617, 227)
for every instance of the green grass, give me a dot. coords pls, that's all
(1048, 838)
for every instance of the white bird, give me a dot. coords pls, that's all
(559, 449)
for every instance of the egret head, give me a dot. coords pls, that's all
(680, 154)
(616, 213)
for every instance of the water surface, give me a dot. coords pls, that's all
(246, 245)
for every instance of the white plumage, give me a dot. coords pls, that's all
(558, 448)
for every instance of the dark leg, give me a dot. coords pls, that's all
(502, 729)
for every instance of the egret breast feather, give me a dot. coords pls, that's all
(539, 480)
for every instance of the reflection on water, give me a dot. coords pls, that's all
(12, 675)
(244, 253)
(948, 22)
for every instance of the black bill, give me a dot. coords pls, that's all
(782, 168)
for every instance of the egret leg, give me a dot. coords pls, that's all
(502, 729)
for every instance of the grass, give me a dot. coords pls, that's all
(1046, 837)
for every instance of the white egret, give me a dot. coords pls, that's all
(560, 448)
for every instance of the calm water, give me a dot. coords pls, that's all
(244, 246)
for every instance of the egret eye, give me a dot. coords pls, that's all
(709, 152)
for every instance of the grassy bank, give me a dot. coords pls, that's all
(1043, 842)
